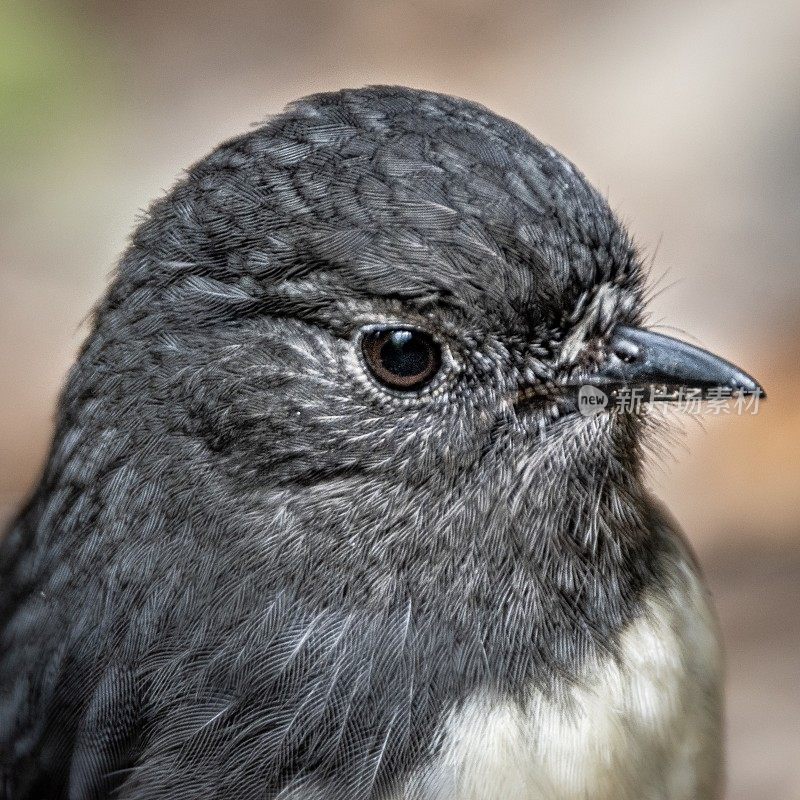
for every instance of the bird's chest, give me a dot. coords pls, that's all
(643, 725)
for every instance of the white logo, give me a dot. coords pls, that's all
(591, 400)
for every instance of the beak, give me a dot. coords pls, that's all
(668, 367)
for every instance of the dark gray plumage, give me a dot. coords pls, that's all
(252, 571)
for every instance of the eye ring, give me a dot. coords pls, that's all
(401, 358)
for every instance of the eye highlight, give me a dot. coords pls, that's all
(404, 359)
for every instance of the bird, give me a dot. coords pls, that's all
(324, 517)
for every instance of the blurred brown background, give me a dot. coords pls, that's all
(686, 113)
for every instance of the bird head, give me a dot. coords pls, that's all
(378, 306)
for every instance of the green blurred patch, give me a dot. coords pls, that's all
(53, 77)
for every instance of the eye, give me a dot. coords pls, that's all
(401, 358)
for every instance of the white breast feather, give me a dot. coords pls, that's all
(645, 727)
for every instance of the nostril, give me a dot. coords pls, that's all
(627, 352)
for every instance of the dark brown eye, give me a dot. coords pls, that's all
(401, 358)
